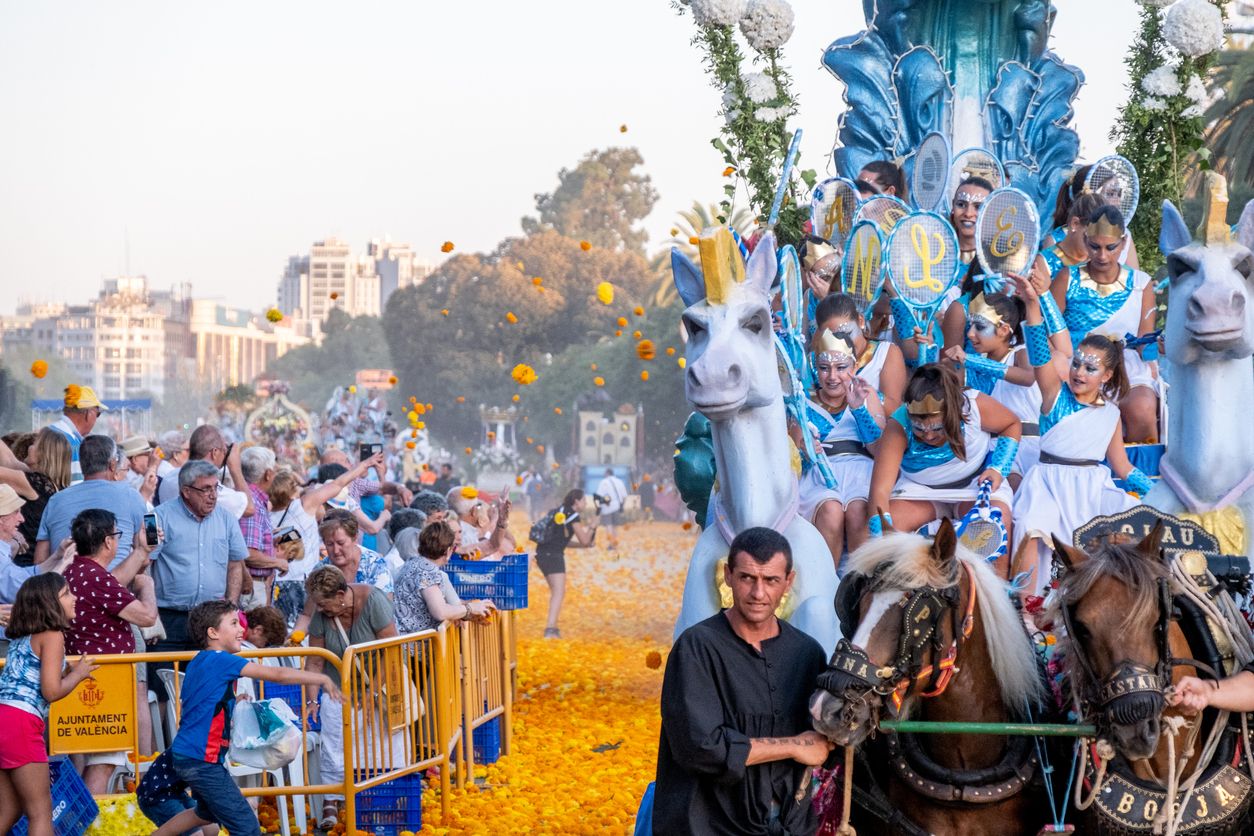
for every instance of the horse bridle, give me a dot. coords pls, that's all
(1128, 677)
(853, 677)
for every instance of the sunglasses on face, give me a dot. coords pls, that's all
(1097, 248)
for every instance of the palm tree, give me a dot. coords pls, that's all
(1230, 119)
(689, 225)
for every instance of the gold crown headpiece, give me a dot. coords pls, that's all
(929, 405)
(980, 307)
(1103, 228)
(815, 251)
(829, 345)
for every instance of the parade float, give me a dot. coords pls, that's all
(950, 91)
(279, 424)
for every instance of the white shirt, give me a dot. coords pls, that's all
(235, 502)
(613, 489)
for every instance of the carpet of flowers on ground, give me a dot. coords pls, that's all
(586, 712)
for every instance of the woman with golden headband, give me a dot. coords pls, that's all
(937, 449)
(845, 415)
(1079, 427)
(1106, 297)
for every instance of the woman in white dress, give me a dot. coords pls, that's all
(936, 451)
(996, 364)
(1106, 297)
(1080, 427)
(845, 415)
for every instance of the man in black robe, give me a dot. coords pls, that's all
(736, 736)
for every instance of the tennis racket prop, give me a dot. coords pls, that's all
(981, 531)
(930, 173)
(794, 368)
(832, 206)
(1006, 233)
(923, 264)
(974, 162)
(1114, 178)
(862, 268)
(885, 210)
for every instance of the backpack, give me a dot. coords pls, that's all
(545, 529)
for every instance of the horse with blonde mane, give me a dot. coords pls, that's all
(934, 636)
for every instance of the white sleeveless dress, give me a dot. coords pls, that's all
(1117, 314)
(1025, 403)
(936, 474)
(1059, 498)
(852, 470)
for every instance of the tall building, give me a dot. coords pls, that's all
(330, 276)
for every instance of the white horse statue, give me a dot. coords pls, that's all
(1209, 464)
(733, 379)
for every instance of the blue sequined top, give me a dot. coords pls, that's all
(920, 456)
(1086, 309)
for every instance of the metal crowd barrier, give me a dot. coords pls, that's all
(411, 703)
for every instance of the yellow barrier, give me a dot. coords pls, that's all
(410, 704)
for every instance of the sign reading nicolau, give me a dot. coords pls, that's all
(99, 716)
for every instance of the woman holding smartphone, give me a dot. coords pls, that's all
(567, 524)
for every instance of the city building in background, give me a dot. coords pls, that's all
(132, 341)
(330, 276)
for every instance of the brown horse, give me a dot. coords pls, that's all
(1124, 646)
(934, 637)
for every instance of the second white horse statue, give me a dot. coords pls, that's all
(733, 379)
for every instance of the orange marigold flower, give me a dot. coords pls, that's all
(682, 363)
(39, 368)
(621, 321)
(515, 399)
(622, 129)
(653, 660)
(594, 367)
(729, 171)
(619, 332)
(421, 425)
(530, 440)
(605, 293)
(274, 315)
(694, 240)
(638, 310)
(443, 311)
(410, 445)
(540, 449)
(518, 480)
(430, 407)
(585, 245)
(523, 374)
(461, 398)
(670, 351)
(599, 381)
(554, 466)
(537, 281)
(635, 334)
(467, 451)
(334, 296)
(510, 317)
(392, 379)
(645, 350)
(469, 492)
(644, 374)
(421, 409)
(446, 247)
(557, 410)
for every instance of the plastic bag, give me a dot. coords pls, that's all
(263, 735)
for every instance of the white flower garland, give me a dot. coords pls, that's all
(771, 114)
(1153, 103)
(1157, 4)
(760, 88)
(1162, 82)
(767, 24)
(1196, 91)
(717, 12)
(1195, 27)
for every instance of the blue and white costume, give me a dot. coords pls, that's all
(936, 474)
(1113, 309)
(1070, 485)
(844, 447)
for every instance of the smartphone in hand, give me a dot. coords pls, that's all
(150, 529)
(367, 450)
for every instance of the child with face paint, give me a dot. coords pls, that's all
(937, 449)
(1079, 427)
(846, 416)
(997, 365)
(1106, 297)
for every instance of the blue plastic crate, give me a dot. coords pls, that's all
(389, 808)
(487, 741)
(73, 808)
(502, 581)
(291, 694)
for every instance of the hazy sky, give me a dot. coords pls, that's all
(221, 137)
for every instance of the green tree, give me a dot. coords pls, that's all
(600, 201)
(1230, 119)
(452, 337)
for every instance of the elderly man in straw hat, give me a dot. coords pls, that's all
(78, 417)
(140, 464)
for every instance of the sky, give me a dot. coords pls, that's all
(207, 142)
